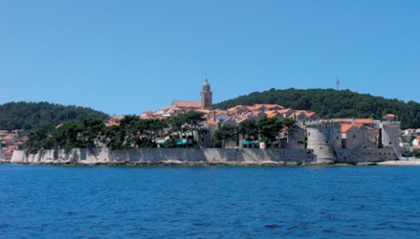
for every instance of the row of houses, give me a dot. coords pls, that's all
(410, 140)
(233, 115)
(413, 145)
(11, 141)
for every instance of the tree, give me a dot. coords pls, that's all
(249, 129)
(92, 129)
(185, 125)
(195, 120)
(176, 126)
(68, 136)
(39, 139)
(224, 134)
(114, 137)
(269, 129)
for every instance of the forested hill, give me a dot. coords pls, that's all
(28, 116)
(329, 103)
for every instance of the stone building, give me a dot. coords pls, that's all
(356, 136)
(206, 96)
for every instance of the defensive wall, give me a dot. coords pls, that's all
(354, 156)
(158, 156)
(210, 156)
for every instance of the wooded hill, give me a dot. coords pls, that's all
(42, 115)
(329, 103)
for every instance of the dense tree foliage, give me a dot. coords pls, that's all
(266, 130)
(249, 130)
(269, 129)
(224, 134)
(186, 124)
(329, 103)
(42, 115)
(132, 132)
(67, 136)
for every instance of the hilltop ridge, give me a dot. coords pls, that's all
(330, 103)
(31, 115)
(327, 103)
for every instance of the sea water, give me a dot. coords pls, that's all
(209, 202)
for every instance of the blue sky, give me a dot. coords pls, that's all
(126, 57)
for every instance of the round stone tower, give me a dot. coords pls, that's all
(324, 137)
(390, 129)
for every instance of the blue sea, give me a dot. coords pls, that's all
(209, 202)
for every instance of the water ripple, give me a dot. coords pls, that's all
(209, 202)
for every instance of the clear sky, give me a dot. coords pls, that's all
(126, 57)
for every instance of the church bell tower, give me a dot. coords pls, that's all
(206, 96)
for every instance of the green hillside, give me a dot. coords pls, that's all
(329, 103)
(28, 116)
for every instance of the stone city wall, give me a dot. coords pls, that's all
(161, 155)
(157, 156)
(353, 156)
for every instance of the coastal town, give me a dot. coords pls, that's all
(353, 133)
(345, 137)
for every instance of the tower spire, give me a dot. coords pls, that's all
(338, 83)
(206, 95)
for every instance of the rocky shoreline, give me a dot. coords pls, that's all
(411, 162)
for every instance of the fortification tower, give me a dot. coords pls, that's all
(206, 96)
(390, 132)
(323, 138)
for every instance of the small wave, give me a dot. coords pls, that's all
(272, 226)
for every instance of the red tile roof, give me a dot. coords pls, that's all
(356, 121)
(271, 113)
(270, 106)
(345, 127)
(187, 104)
(211, 122)
(8, 137)
(111, 123)
(205, 111)
(390, 116)
(13, 147)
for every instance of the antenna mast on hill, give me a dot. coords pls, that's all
(338, 83)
